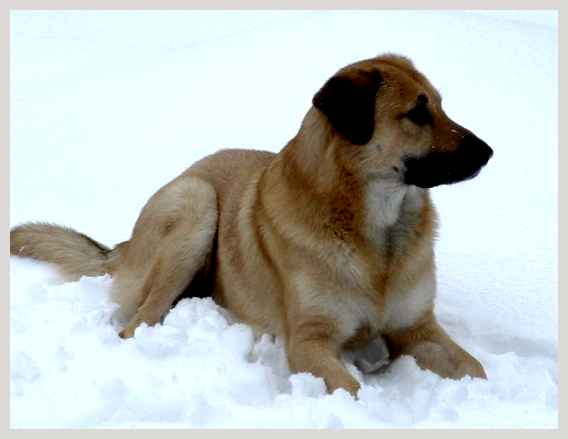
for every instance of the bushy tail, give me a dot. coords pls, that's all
(72, 252)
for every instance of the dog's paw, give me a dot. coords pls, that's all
(446, 361)
(469, 367)
(128, 331)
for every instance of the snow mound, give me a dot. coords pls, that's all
(201, 368)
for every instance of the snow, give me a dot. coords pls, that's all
(108, 106)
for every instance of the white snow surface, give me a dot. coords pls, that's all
(108, 106)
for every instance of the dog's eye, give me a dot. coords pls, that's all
(420, 114)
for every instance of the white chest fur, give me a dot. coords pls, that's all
(391, 213)
(349, 311)
(383, 204)
(405, 306)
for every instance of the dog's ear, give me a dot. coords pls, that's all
(348, 101)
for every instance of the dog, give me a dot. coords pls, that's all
(327, 244)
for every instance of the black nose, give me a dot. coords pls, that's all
(475, 148)
(447, 167)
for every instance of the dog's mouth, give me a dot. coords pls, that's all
(437, 168)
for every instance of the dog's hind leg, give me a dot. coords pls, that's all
(170, 244)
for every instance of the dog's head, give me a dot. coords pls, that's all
(387, 121)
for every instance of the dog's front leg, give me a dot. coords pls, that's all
(433, 349)
(311, 348)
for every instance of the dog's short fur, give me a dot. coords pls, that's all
(328, 244)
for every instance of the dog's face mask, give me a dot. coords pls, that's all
(390, 124)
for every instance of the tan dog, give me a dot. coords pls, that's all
(328, 243)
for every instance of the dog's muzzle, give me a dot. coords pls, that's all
(444, 167)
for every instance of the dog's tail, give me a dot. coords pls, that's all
(74, 253)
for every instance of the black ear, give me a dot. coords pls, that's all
(348, 101)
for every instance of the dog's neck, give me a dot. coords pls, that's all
(310, 155)
(384, 200)
(392, 210)
(308, 175)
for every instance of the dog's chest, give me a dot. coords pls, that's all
(377, 287)
(348, 310)
(404, 293)
(406, 304)
(365, 313)
(400, 306)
